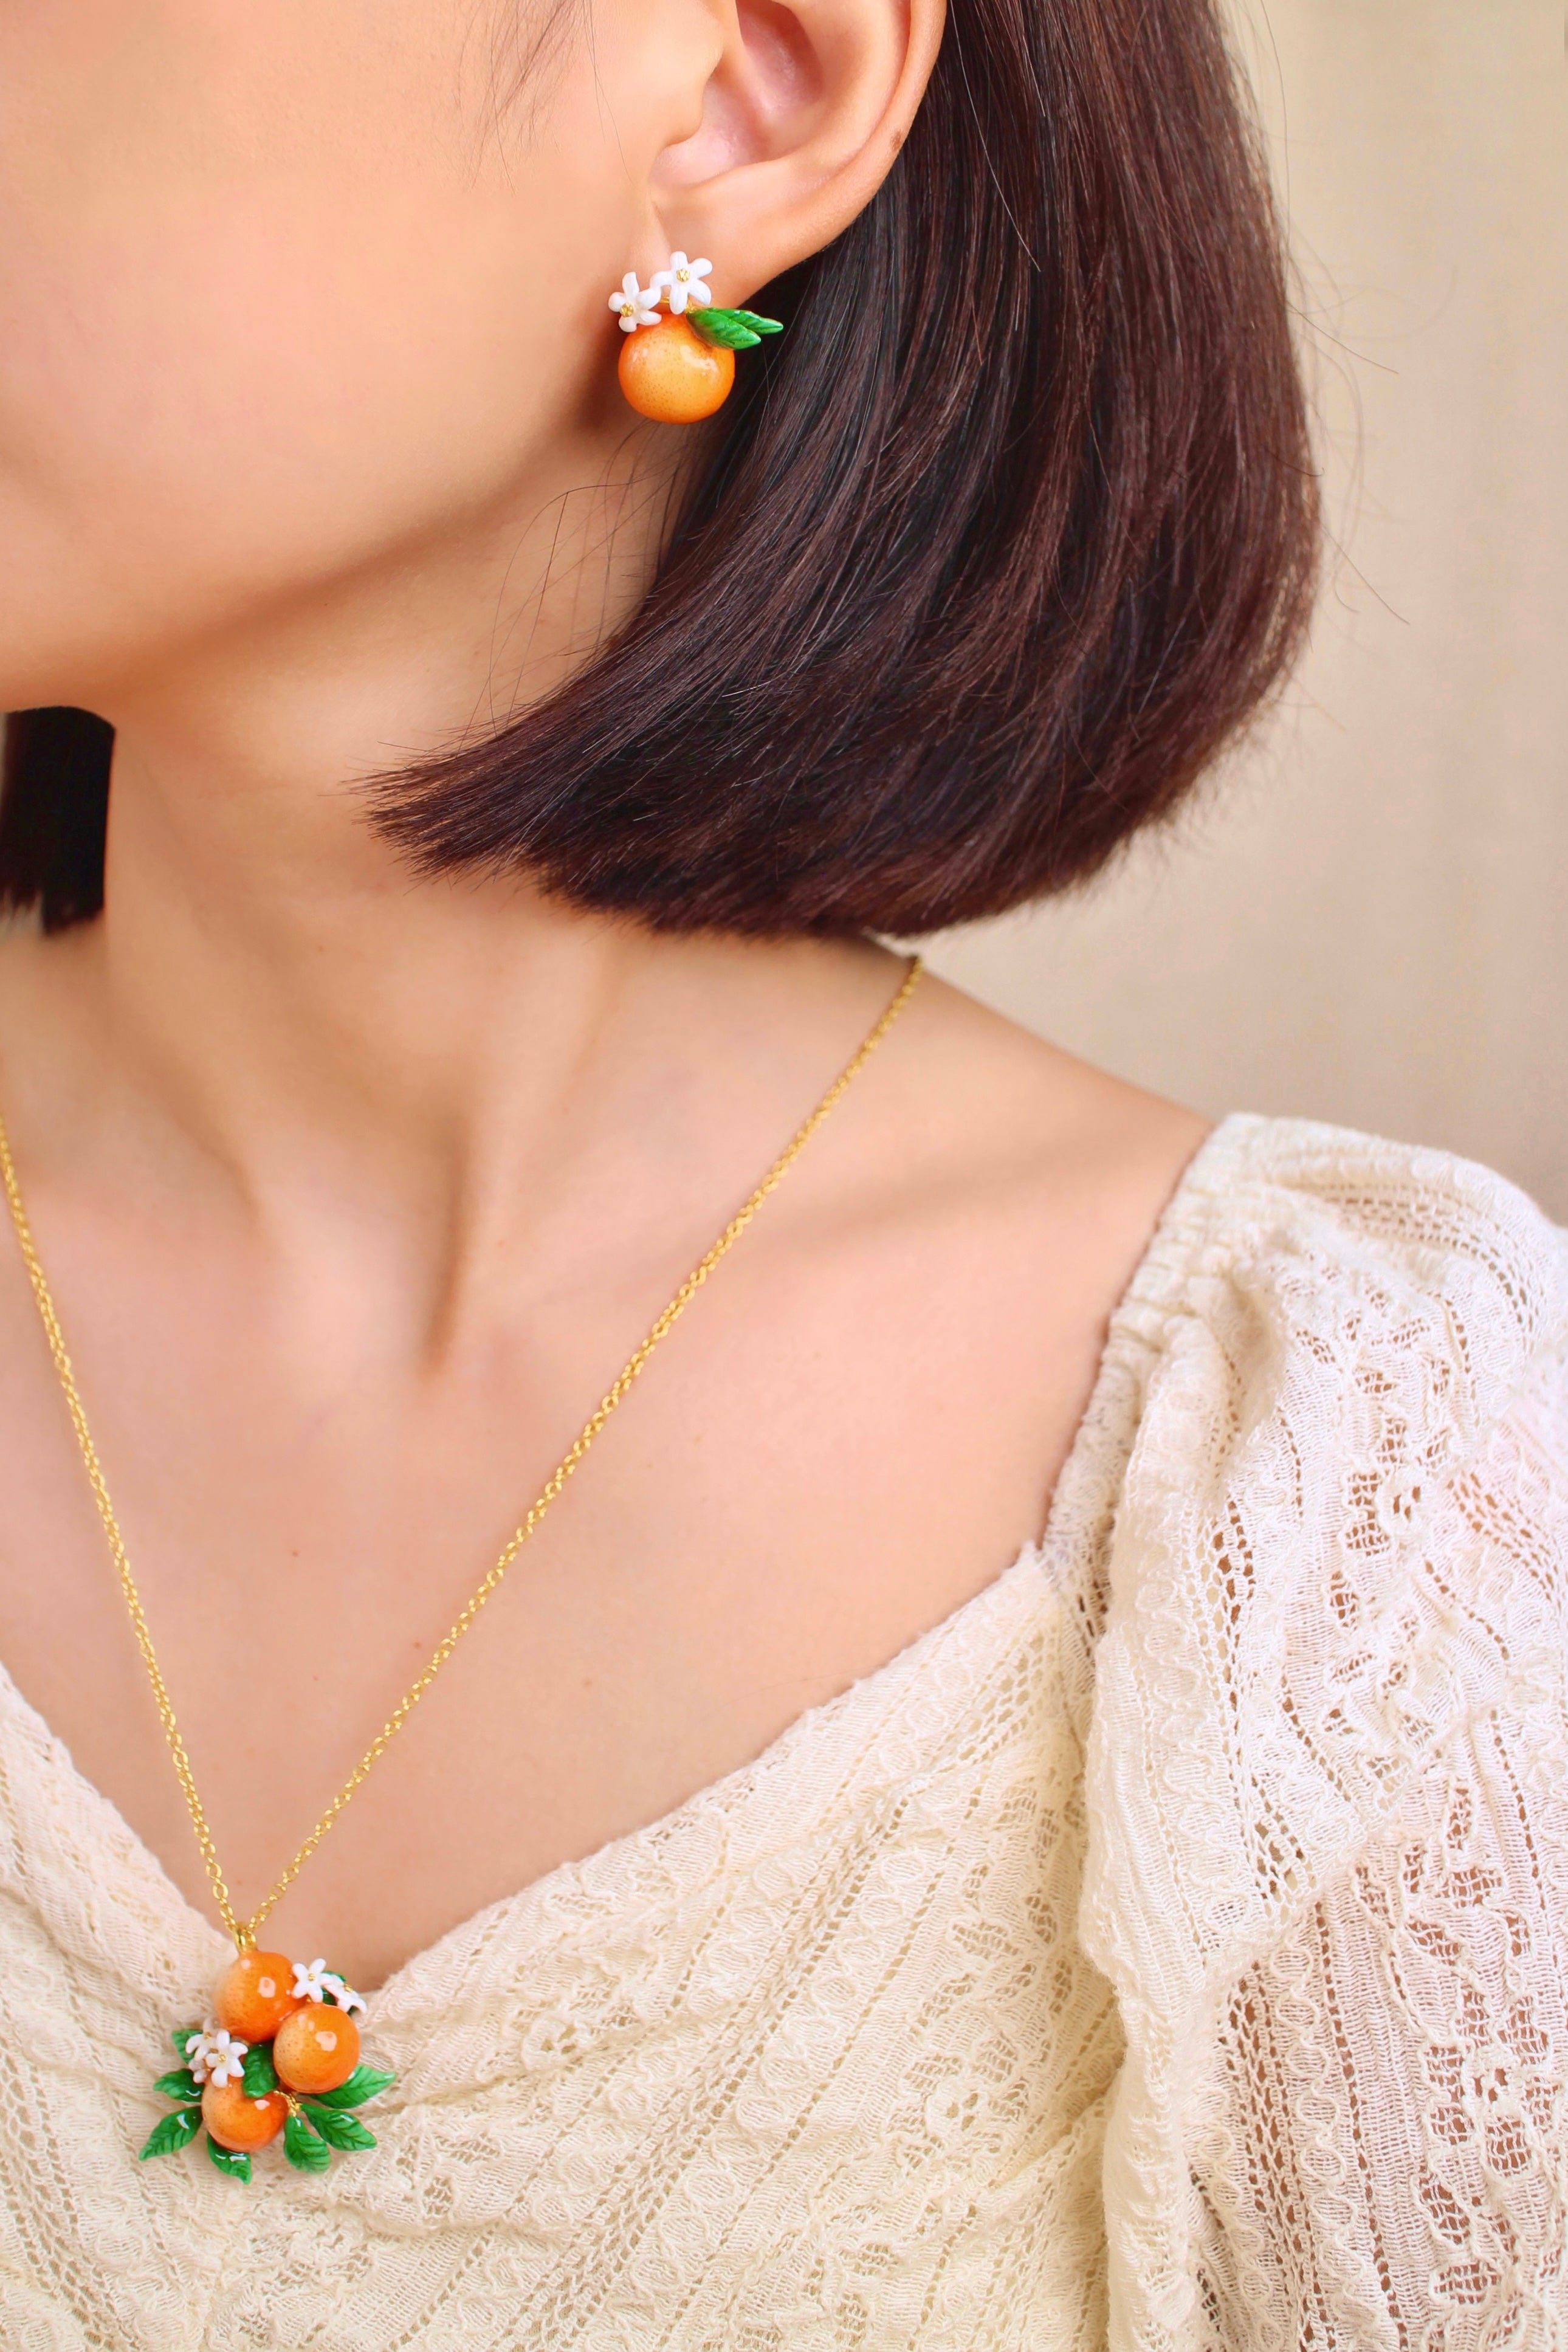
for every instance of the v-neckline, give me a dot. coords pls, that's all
(1083, 1490)
(600, 1874)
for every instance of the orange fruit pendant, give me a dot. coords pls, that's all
(280, 2054)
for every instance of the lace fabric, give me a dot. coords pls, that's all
(1327, 1860)
(1169, 1949)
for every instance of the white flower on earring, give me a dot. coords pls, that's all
(683, 281)
(636, 306)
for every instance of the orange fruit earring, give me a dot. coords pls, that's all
(678, 360)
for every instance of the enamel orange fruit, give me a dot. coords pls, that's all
(240, 2121)
(316, 2049)
(257, 1995)
(669, 373)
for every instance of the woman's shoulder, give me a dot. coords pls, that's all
(1410, 1196)
(1342, 1529)
(1331, 1261)
(1333, 1341)
(1327, 1849)
(1264, 1220)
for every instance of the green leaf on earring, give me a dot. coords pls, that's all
(303, 2147)
(735, 330)
(231, 2161)
(260, 2074)
(339, 2130)
(183, 2037)
(174, 2132)
(180, 2084)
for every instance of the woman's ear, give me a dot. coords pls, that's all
(802, 117)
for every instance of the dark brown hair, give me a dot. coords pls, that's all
(1003, 540)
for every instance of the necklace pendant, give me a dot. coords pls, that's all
(279, 2055)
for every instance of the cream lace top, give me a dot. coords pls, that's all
(1170, 1949)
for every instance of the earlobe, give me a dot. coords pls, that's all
(802, 119)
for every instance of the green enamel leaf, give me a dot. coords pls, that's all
(735, 330)
(232, 2161)
(260, 2074)
(183, 2036)
(179, 2084)
(303, 2147)
(722, 330)
(174, 2132)
(339, 2130)
(364, 2082)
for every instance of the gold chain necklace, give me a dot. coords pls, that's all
(296, 2070)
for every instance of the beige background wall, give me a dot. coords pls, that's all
(1366, 920)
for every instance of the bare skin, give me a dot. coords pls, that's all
(355, 1190)
(329, 1358)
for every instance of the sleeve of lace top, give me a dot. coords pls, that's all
(1328, 1777)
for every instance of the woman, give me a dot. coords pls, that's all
(1013, 1791)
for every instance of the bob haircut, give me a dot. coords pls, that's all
(998, 546)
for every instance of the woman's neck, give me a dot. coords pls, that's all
(445, 1072)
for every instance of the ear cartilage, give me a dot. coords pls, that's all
(678, 361)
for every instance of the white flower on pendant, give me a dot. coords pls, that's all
(316, 1980)
(636, 306)
(214, 2055)
(684, 281)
